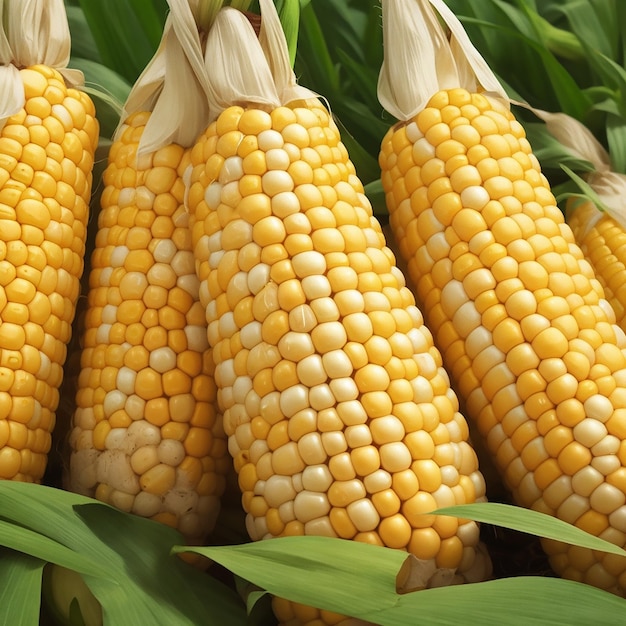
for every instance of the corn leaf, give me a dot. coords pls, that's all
(20, 588)
(594, 23)
(616, 137)
(119, 555)
(339, 58)
(360, 580)
(108, 91)
(550, 152)
(531, 522)
(568, 97)
(83, 43)
(376, 195)
(321, 73)
(610, 73)
(47, 549)
(289, 13)
(126, 32)
(364, 78)
(489, 25)
(366, 572)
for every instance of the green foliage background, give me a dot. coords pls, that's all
(568, 56)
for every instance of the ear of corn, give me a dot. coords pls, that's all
(47, 143)
(146, 436)
(522, 322)
(340, 417)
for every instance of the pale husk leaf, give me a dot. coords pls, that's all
(237, 67)
(173, 85)
(148, 86)
(274, 44)
(474, 72)
(12, 96)
(419, 59)
(39, 34)
(6, 54)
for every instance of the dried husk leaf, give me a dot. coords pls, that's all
(35, 32)
(420, 59)
(238, 69)
(609, 186)
(574, 136)
(173, 85)
(39, 34)
(249, 70)
(273, 41)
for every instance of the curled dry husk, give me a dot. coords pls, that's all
(213, 79)
(609, 186)
(268, 81)
(420, 58)
(34, 32)
(173, 86)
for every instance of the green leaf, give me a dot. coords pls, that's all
(616, 138)
(68, 599)
(376, 195)
(107, 89)
(103, 79)
(139, 548)
(533, 522)
(289, 13)
(594, 24)
(358, 579)
(20, 588)
(365, 79)
(366, 165)
(83, 43)
(588, 192)
(258, 603)
(314, 53)
(45, 549)
(120, 553)
(550, 152)
(126, 33)
(311, 567)
(569, 96)
(522, 601)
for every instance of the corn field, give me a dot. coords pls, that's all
(343, 274)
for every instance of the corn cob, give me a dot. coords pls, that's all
(47, 144)
(522, 322)
(146, 436)
(340, 418)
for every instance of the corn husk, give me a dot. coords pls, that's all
(421, 58)
(246, 69)
(177, 68)
(35, 32)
